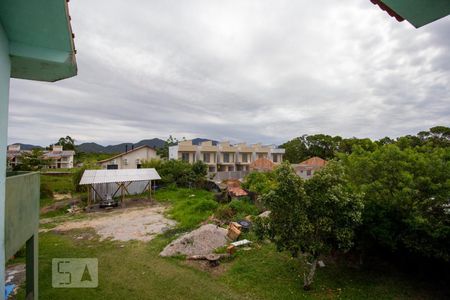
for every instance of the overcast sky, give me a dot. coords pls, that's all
(254, 71)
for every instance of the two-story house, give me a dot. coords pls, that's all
(223, 156)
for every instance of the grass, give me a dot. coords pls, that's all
(189, 207)
(134, 270)
(58, 184)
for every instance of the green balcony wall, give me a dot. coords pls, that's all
(22, 210)
(5, 70)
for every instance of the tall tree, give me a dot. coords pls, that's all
(313, 217)
(406, 197)
(164, 151)
(67, 142)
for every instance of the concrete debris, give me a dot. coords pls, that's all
(265, 214)
(202, 241)
(241, 243)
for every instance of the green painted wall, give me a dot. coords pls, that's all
(5, 70)
(22, 210)
(40, 39)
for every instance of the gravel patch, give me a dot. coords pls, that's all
(201, 241)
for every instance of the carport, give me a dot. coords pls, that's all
(121, 178)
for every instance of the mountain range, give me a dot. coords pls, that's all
(119, 148)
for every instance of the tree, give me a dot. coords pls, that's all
(164, 151)
(259, 182)
(348, 145)
(296, 150)
(176, 172)
(67, 142)
(406, 198)
(322, 145)
(31, 161)
(315, 217)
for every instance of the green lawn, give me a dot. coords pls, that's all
(137, 272)
(134, 270)
(188, 206)
(58, 184)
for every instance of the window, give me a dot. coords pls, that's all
(275, 158)
(125, 161)
(206, 157)
(185, 157)
(308, 172)
(226, 157)
(245, 157)
(261, 155)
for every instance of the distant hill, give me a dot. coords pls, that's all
(119, 148)
(197, 141)
(28, 146)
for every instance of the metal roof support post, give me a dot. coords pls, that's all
(150, 190)
(123, 195)
(5, 73)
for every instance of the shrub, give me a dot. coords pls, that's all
(406, 193)
(236, 209)
(261, 227)
(258, 184)
(46, 191)
(242, 207)
(225, 213)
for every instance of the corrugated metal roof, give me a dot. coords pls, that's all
(124, 175)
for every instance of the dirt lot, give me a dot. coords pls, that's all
(125, 224)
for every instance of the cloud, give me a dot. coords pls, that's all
(255, 71)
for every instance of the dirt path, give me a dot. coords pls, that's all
(124, 225)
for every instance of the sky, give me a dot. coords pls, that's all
(243, 71)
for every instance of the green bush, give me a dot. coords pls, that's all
(406, 194)
(243, 207)
(259, 182)
(261, 227)
(78, 173)
(225, 213)
(236, 209)
(179, 173)
(46, 191)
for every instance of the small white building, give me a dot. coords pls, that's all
(131, 159)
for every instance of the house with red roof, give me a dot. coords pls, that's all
(307, 168)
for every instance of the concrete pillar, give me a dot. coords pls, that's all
(5, 73)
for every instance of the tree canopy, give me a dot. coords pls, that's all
(313, 217)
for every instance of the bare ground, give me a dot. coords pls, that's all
(142, 224)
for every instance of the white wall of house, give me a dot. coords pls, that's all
(131, 159)
(173, 152)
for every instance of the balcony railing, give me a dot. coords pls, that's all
(22, 222)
